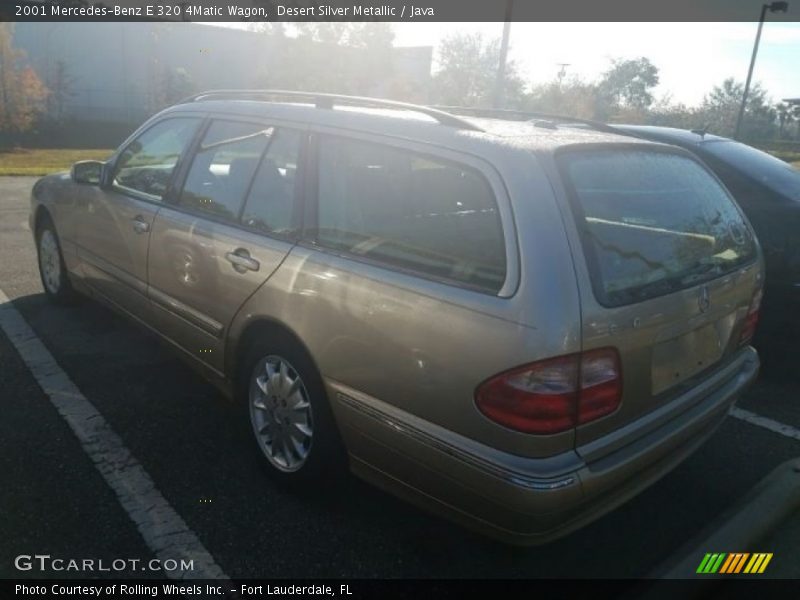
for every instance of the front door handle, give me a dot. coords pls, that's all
(140, 225)
(242, 261)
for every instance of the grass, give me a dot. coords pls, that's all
(22, 161)
(790, 157)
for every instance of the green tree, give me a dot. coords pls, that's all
(623, 93)
(177, 83)
(787, 115)
(346, 58)
(356, 35)
(22, 93)
(720, 109)
(667, 114)
(468, 69)
(60, 85)
(573, 97)
(628, 85)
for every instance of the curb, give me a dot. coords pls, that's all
(751, 519)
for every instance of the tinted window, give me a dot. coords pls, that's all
(653, 223)
(410, 211)
(748, 193)
(270, 203)
(767, 170)
(223, 167)
(146, 165)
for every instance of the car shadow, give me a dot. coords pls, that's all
(196, 447)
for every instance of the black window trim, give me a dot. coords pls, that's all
(311, 213)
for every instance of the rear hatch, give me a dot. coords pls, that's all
(671, 270)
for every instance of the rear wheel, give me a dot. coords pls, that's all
(290, 419)
(52, 269)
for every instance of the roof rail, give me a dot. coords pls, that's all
(524, 115)
(322, 100)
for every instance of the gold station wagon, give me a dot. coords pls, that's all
(514, 324)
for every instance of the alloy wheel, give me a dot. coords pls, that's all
(280, 413)
(50, 261)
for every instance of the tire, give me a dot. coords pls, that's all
(288, 414)
(52, 270)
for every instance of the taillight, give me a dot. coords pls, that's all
(601, 384)
(751, 320)
(554, 395)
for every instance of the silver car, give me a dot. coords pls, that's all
(517, 325)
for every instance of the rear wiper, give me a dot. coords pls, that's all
(700, 272)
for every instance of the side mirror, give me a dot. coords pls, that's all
(88, 172)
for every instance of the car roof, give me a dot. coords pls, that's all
(671, 135)
(411, 125)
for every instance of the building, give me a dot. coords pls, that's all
(115, 71)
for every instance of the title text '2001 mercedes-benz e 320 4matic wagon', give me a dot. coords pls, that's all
(515, 324)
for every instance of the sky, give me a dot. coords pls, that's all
(691, 57)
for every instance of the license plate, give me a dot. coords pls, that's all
(678, 359)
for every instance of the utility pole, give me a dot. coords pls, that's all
(498, 100)
(774, 7)
(562, 72)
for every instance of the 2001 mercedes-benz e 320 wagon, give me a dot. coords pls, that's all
(514, 324)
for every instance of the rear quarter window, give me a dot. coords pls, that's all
(767, 170)
(652, 222)
(413, 212)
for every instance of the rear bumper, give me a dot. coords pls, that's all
(523, 500)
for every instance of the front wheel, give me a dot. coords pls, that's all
(289, 415)
(52, 269)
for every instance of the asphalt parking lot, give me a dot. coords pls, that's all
(193, 446)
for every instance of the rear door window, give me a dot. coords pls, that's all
(270, 204)
(223, 168)
(414, 212)
(652, 222)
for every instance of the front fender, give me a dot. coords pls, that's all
(56, 195)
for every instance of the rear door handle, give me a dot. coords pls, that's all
(140, 225)
(242, 261)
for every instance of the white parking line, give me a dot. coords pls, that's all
(163, 529)
(759, 421)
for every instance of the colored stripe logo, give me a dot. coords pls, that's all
(734, 563)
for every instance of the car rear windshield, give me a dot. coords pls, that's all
(652, 222)
(772, 172)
